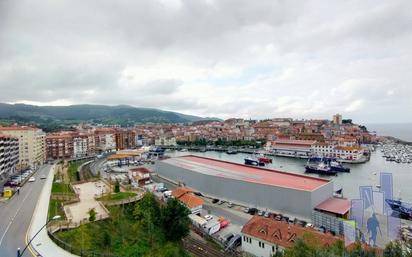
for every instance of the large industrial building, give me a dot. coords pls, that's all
(251, 186)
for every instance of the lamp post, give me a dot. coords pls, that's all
(20, 253)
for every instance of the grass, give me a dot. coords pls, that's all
(72, 170)
(117, 196)
(121, 235)
(56, 208)
(61, 188)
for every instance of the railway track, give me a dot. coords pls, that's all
(201, 249)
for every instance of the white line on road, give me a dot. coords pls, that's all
(17, 212)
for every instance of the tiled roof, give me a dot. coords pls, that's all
(282, 233)
(179, 191)
(335, 205)
(191, 201)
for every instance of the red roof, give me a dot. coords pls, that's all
(184, 194)
(247, 173)
(282, 233)
(335, 205)
(141, 170)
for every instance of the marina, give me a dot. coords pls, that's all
(365, 174)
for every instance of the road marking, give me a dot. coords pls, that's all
(12, 219)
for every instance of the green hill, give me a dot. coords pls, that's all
(123, 115)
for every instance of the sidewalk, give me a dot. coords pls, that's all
(42, 244)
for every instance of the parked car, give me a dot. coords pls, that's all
(197, 193)
(246, 210)
(266, 214)
(253, 211)
(221, 202)
(208, 217)
(215, 200)
(229, 205)
(260, 213)
(32, 179)
(278, 217)
(43, 176)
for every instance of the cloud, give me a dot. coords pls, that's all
(212, 58)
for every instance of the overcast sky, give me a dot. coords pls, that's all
(222, 58)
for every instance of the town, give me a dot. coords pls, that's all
(242, 208)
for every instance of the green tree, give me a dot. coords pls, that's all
(174, 220)
(147, 213)
(117, 186)
(92, 215)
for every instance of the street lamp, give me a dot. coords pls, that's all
(19, 254)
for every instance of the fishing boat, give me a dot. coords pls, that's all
(264, 159)
(403, 208)
(253, 162)
(231, 150)
(320, 168)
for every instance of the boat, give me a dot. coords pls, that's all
(253, 162)
(403, 208)
(231, 150)
(335, 165)
(264, 159)
(320, 168)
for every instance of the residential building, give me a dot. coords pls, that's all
(192, 202)
(32, 145)
(165, 141)
(125, 139)
(264, 237)
(349, 154)
(59, 146)
(105, 140)
(9, 155)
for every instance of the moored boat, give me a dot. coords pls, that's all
(254, 162)
(320, 168)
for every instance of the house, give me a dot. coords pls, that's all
(185, 195)
(263, 237)
(140, 175)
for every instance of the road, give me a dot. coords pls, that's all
(16, 214)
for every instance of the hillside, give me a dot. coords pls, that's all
(121, 114)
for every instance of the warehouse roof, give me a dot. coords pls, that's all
(236, 171)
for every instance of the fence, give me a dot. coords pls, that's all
(76, 251)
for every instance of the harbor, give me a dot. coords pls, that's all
(365, 174)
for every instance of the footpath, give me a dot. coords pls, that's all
(42, 245)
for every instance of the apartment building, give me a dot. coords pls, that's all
(32, 145)
(9, 154)
(59, 146)
(70, 145)
(125, 139)
(105, 140)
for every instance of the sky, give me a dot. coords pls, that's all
(215, 58)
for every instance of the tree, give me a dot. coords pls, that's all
(92, 215)
(147, 212)
(117, 186)
(174, 220)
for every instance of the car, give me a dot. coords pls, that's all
(229, 205)
(215, 200)
(278, 217)
(43, 177)
(266, 214)
(197, 193)
(32, 179)
(221, 202)
(208, 217)
(260, 213)
(246, 210)
(309, 225)
(252, 211)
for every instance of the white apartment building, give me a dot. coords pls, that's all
(32, 145)
(165, 141)
(350, 154)
(9, 154)
(105, 140)
(83, 145)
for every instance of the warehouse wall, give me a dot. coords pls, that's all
(280, 199)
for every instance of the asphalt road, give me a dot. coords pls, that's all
(16, 214)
